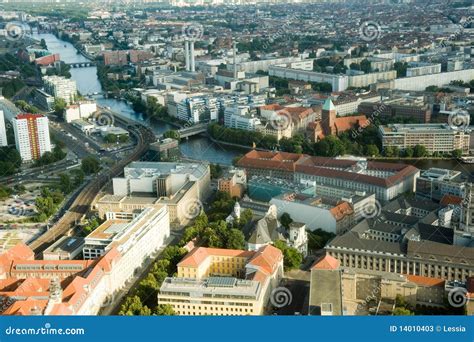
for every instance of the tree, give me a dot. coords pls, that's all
(456, 153)
(164, 310)
(134, 307)
(409, 152)
(291, 257)
(216, 170)
(286, 220)
(420, 151)
(172, 134)
(78, 177)
(399, 311)
(235, 239)
(372, 150)
(90, 165)
(59, 106)
(65, 183)
(4, 192)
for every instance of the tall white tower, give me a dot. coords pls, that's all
(3, 131)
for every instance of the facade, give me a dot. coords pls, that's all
(198, 109)
(234, 183)
(396, 109)
(420, 69)
(316, 213)
(439, 138)
(61, 87)
(347, 105)
(80, 110)
(66, 248)
(385, 180)
(153, 222)
(241, 117)
(31, 136)
(435, 183)
(90, 283)
(338, 290)
(3, 131)
(217, 282)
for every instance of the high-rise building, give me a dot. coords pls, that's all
(3, 131)
(31, 135)
(61, 87)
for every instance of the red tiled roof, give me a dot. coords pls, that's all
(450, 199)
(327, 262)
(341, 210)
(426, 281)
(198, 255)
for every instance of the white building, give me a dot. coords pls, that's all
(61, 87)
(31, 135)
(3, 131)
(241, 117)
(197, 109)
(80, 110)
(142, 236)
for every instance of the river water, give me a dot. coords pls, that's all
(199, 148)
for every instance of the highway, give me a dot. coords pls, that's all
(82, 202)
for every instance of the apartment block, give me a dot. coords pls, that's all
(31, 136)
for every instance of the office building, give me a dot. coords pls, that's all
(385, 180)
(153, 222)
(31, 136)
(440, 138)
(223, 282)
(79, 287)
(338, 290)
(241, 117)
(435, 183)
(66, 248)
(79, 110)
(61, 87)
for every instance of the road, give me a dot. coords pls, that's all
(83, 200)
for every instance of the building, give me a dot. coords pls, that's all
(411, 255)
(337, 290)
(162, 178)
(241, 117)
(330, 124)
(233, 183)
(165, 150)
(348, 104)
(435, 183)
(315, 212)
(77, 287)
(43, 100)
(218, 282)
(269, 230)
(420, 69)
(181, 187)
(385, 180)
(61, 87)
(31, 136)
(79, 110)
(439, 138)
(198, 109)
(3, 131)
(263, 189)
(151, 221)
(465, 233)
(397, 108)
(66, 248)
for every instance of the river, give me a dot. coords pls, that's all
(198, 148)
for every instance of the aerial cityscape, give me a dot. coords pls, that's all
(237, 158)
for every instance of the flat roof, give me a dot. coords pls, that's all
(66, 244)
